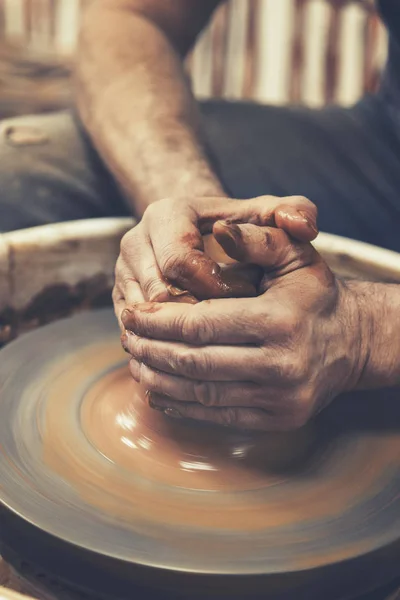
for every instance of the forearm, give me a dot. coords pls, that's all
(379, 310)
(136, 105)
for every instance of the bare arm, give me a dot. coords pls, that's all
(134, 100)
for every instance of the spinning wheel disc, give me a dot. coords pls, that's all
(83, 458)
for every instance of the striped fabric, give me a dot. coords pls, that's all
(277, 51)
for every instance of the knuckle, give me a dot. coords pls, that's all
(155, 291)
(126, 280)
(116, 294)
(296, 200)
(197, 329)
(129, 241)
(118, 266)
(205, 393)
(289, 323)
(140, 349)
(301, 409)
(172, 265)
(150, 379)
(191, 363)
(292, 368)
(153, 211)
(262, 397)
(298, 420)
(120, 270)
(126, 242)
(231, 417)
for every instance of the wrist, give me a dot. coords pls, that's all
(354, 322)
(378, 332)
(360, 331)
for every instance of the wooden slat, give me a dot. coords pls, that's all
(28, 18)
(219, 41)
(53, 6)
(371, 38)
(251, 48)
(40, 17)
(332, 51)
(297, 52)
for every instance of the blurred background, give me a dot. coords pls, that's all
(311, 52)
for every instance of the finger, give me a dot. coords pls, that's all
(207, 393)
(244, 280)
(209, 363)
(295, 214)
(138, 270)
(155, 287)
(222, 282)
(126, 291)
(267, 247)
(126, 283)
(241, 418)
(298, 218)
(137, 262)
(119, 306)
(180, 250)
(133, 294)
(221, 321)
(180, 256)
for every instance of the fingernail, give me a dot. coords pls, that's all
(135, 370)
(231, 227)
(309, 221)
(155, 406)
(172, 413)
(231, 239)
(175, 291)
(124, 342)
(188, 299)
(126, 314)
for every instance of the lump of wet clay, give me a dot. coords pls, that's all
(242, 280)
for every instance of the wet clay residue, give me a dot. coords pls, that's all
(53, 303)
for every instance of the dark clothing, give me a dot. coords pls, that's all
(346, 160)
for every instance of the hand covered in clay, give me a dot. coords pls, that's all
(269, 362)
(162, 259)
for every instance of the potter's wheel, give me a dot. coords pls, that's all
(90, 470)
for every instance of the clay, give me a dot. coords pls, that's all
(84, 458)
(200, 280)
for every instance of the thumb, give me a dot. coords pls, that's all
(268, 247)
(294, 214)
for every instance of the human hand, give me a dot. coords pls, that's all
(269, 362)
(163, 258)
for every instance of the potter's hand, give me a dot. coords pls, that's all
(167, 246)
(267, 363)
